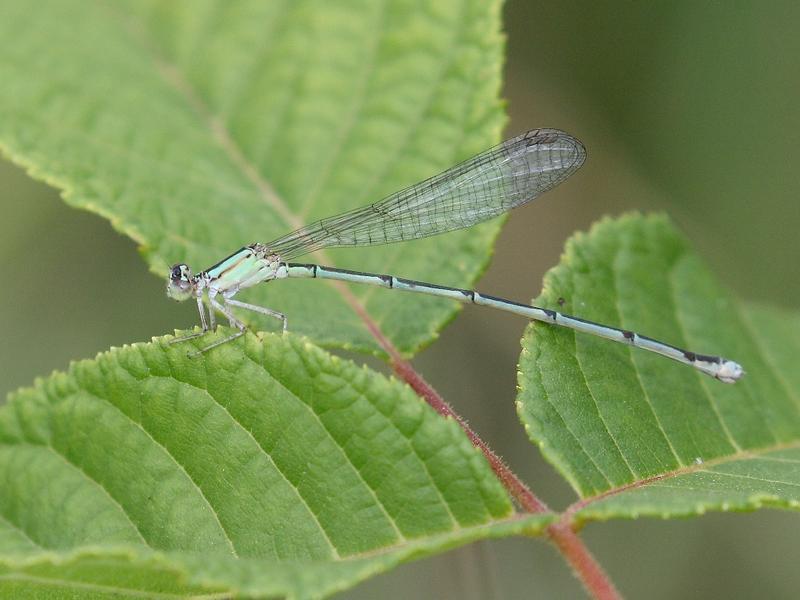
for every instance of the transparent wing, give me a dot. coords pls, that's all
(476, 190)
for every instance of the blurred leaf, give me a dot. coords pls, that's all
(198, 127)
(651, 435)
(311, 471)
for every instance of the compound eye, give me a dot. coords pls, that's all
(177, 271)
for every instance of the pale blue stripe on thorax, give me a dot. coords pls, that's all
(240, 270)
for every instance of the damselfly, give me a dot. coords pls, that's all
(483, 187)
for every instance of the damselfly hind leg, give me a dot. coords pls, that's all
(187, 337)
(209, 324)
(224, 340)
(224, 308)
(261, 310)
(232, 320)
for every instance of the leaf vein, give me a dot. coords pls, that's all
(211, 397)
(743, 476)
(205, 498)
(762, 350)
(172, 76)
(22, 531)
(396, 251)
(360, 475)
(565, 422)
(351, 119)
(632, 360)
(95, 587)
(700, 377)
(97, 483)
(245, 81)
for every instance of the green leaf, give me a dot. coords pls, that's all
(313, 471)
(136, 572)
(648, 435)
(199, 127)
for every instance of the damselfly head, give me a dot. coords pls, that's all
(180, 283)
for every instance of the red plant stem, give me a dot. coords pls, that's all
(583, 564)
(518, 490)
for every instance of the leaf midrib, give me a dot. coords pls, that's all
(744, 454)
(72, 465)
(173, 77)
(96, 587)
(21, 531)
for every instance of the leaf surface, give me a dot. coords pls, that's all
(116, 572)
(199, 127)
(269, 466)
(635, 433)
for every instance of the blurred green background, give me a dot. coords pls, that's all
(685, 107)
